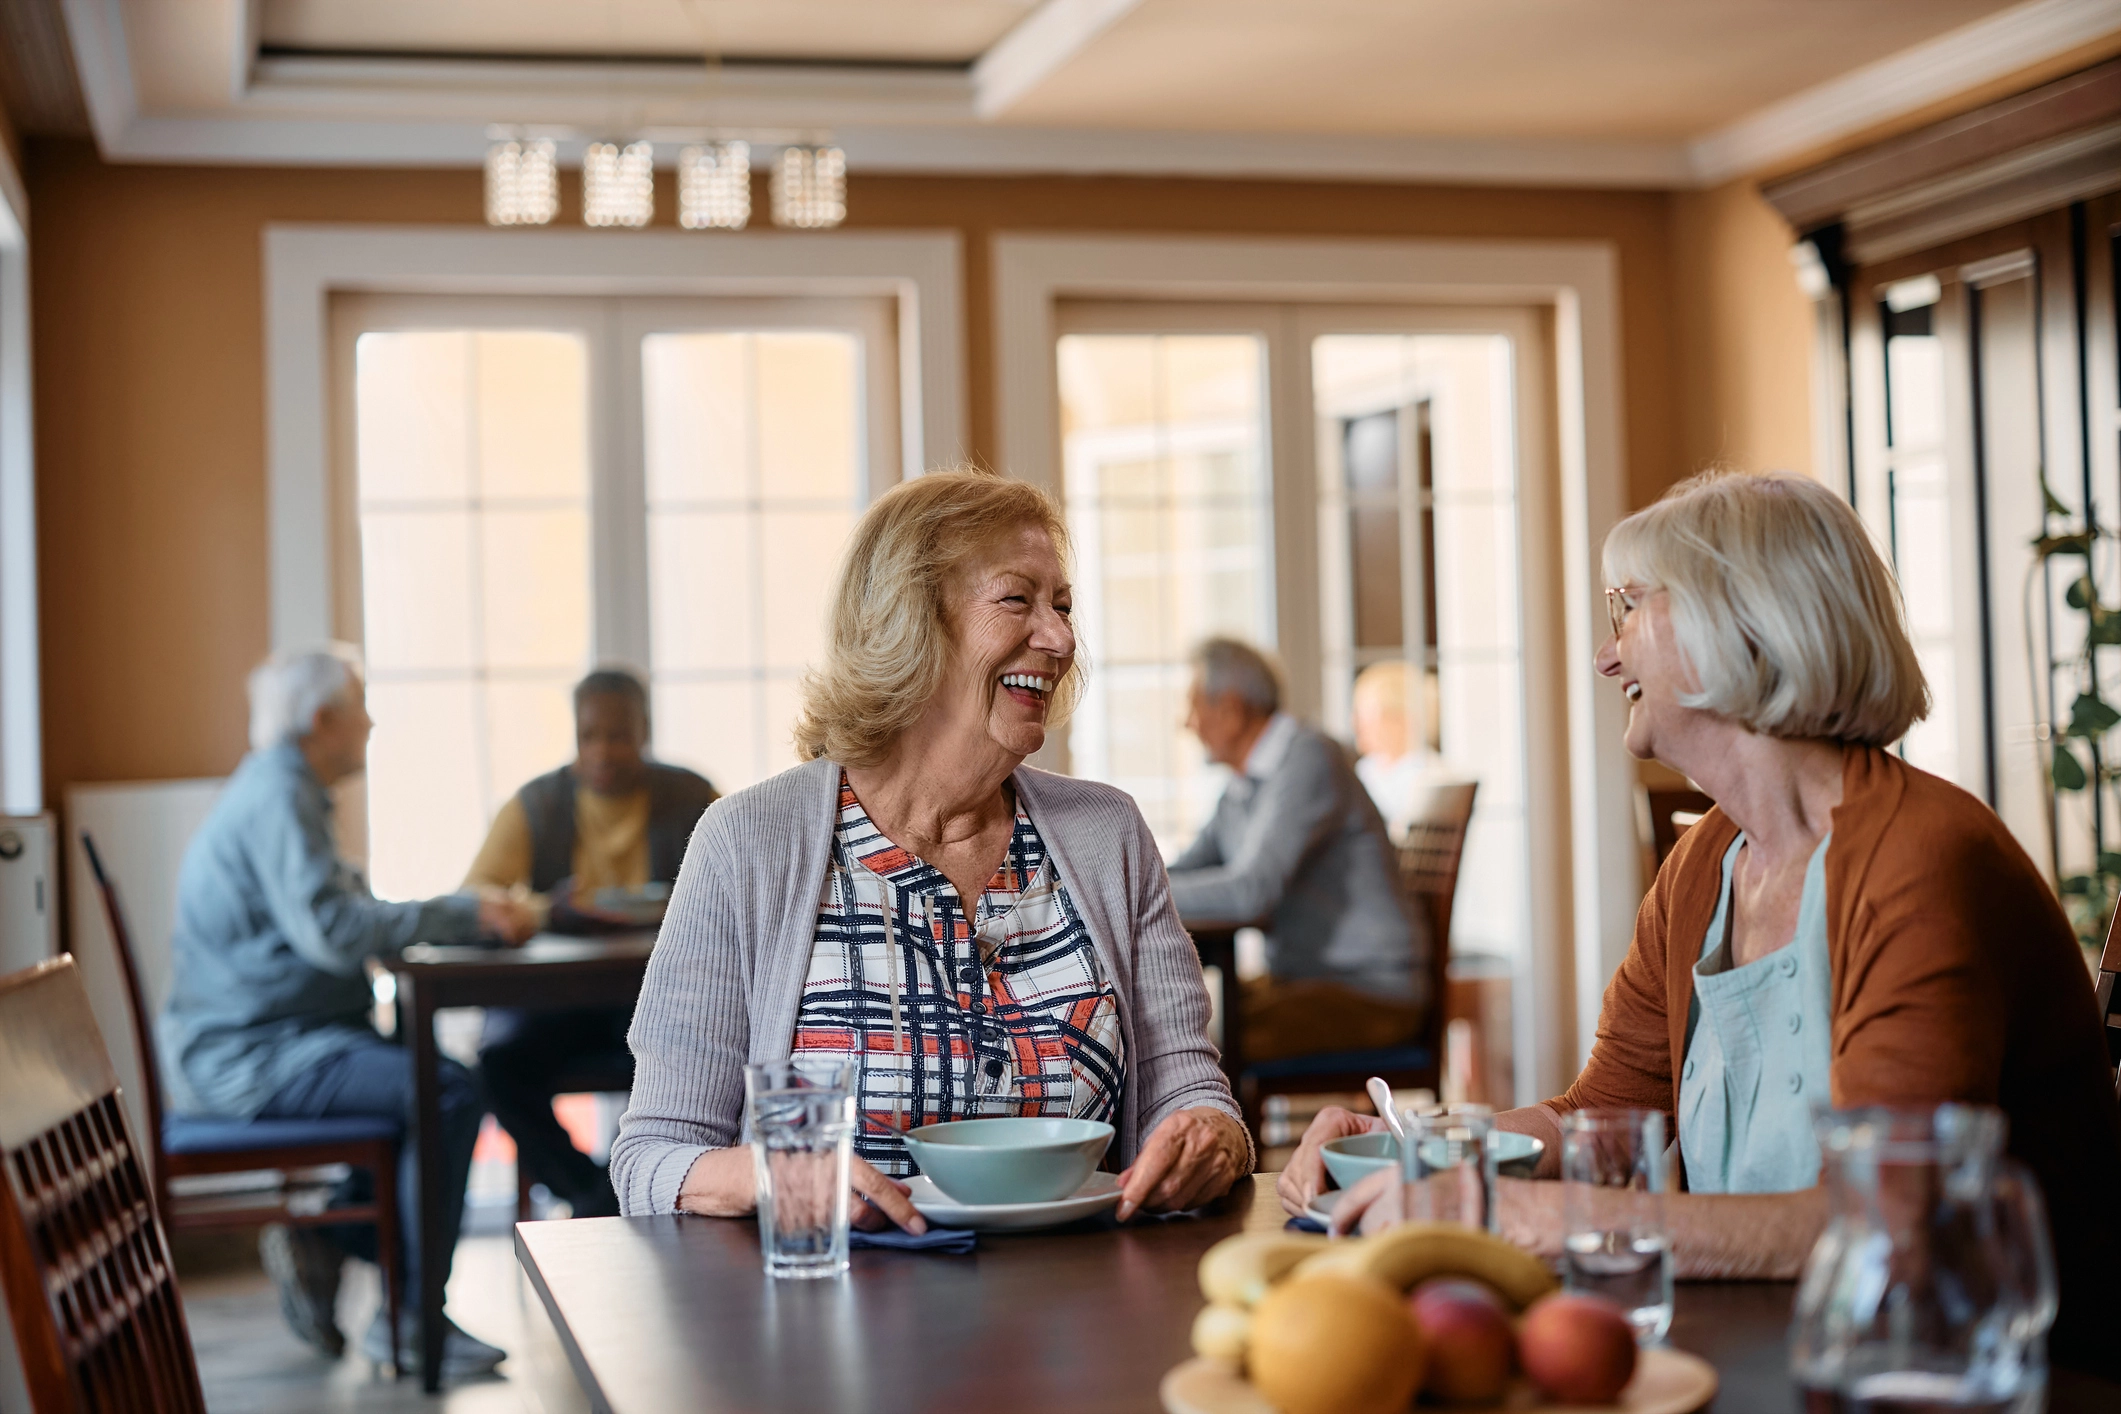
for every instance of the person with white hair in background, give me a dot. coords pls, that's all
(268, 1010)
(1395, 768)
(1297, 841)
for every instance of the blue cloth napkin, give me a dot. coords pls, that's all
(955, 1240)
(1304, 1225)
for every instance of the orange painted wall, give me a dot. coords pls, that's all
(148, 318)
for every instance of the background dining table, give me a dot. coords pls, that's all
(674, 1313)
(548, 971)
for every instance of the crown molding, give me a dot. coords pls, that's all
(1902, 83)
(1035, 49)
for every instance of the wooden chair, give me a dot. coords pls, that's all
(587, 1078)
(83, 1259)
(1672, 813)
(183, 1146)
(1429, 857)
(2109, 1004)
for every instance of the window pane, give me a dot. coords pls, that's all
(473, 484)
(1164, 441)
(755, 468)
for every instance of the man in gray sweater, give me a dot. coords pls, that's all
(1297, 843)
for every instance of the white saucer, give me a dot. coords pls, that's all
(1099, 1191)
(1321, 1209)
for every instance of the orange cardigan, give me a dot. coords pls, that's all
(1955, 977)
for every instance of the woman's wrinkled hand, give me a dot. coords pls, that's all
(1528, 1212)
(1192, 1157)
(1304, 1177)
(723, 1184)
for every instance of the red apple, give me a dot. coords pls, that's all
(1470, 1344)
(1578, 1349)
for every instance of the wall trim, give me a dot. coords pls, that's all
(1914, 78)
(21, 686)
(305, 265)
(1579, 282)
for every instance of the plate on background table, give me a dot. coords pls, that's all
(1099, 1192)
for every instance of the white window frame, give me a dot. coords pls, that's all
(306, 265)
(1584, 908)
(21, 729)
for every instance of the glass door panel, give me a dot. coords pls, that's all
(1164, 450)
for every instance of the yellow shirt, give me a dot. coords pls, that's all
(610, 844)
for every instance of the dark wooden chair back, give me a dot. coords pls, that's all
(87, 1270)
(121, 941)
(2109, 1004)
(1429, 855)
(1672, 813)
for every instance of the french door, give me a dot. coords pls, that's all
(526, 488)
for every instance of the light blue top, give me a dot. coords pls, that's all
(272, 931)
(1757, 1052)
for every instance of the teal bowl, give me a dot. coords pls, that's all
(1356, 1157)
(983, 1162)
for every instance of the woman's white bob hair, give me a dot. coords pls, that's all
(1791, 622)
(288, 689)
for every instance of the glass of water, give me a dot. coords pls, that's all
(799, 1118)
(1615, 1241)
(1447, 1165)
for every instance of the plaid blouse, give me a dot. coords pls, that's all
(1010, 1014)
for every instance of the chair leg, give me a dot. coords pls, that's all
(386, 1186)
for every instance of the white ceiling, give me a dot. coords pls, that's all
(1567, 92)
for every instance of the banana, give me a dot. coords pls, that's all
(1221, 1332)
(1411, 1253)
(1238, 1270)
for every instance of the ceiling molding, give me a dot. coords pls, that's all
(1902, 83)
(97, 30)
(1031, 52)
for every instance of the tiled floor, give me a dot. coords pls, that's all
(251, 1364)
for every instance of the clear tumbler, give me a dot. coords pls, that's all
(1614, 1240)
(1447, 1167)
(799, 1117)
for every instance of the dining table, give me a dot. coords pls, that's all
(550, 971)
(675, 1314)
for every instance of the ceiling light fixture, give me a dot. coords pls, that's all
(618, 184)
(522, 182)
(810, 187)
(714, 186)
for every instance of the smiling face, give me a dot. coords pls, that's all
(1652, 670)
(1011, 643)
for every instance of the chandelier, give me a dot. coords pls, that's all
(522, 182)
(618, 184)
(810, 187)
(714, 186)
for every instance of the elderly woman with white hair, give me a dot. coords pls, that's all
(981, 938)
(1841, 929)
(267, 1018)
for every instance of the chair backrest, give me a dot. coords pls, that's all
(87, 1271)
(121, 941)
(1429, 854)
(1673, 812)
(2109, 1003)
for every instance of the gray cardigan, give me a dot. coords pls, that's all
(727, 976)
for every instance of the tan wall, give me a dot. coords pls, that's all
(150, 383)
(1744, 333)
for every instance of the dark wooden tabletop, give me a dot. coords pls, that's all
(674, 1314)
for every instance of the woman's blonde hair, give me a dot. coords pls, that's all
(1789, 619)
(888, 636)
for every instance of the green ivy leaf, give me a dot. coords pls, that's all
(2089, 717)
(2110, 864)
(2069, 774)
(2082, 593)
(2047, 496)
(2077, 544)
(2076, 884)
(2105, 626)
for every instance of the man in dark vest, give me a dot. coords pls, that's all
(613, 819)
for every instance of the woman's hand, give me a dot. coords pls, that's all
(1529, 1211)
(1305, 1176)
(723, 1184)
(1193, 1156)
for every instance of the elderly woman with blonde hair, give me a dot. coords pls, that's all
(980, 937)
(1841, 929)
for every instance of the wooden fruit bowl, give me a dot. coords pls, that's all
(1666, 1382)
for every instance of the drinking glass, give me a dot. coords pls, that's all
(1615, 1243)
(799, 1119)
(1933, 1285)
(1447, 1165)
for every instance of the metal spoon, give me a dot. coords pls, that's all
(1381, 1097)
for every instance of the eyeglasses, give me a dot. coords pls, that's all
(1619, 603)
